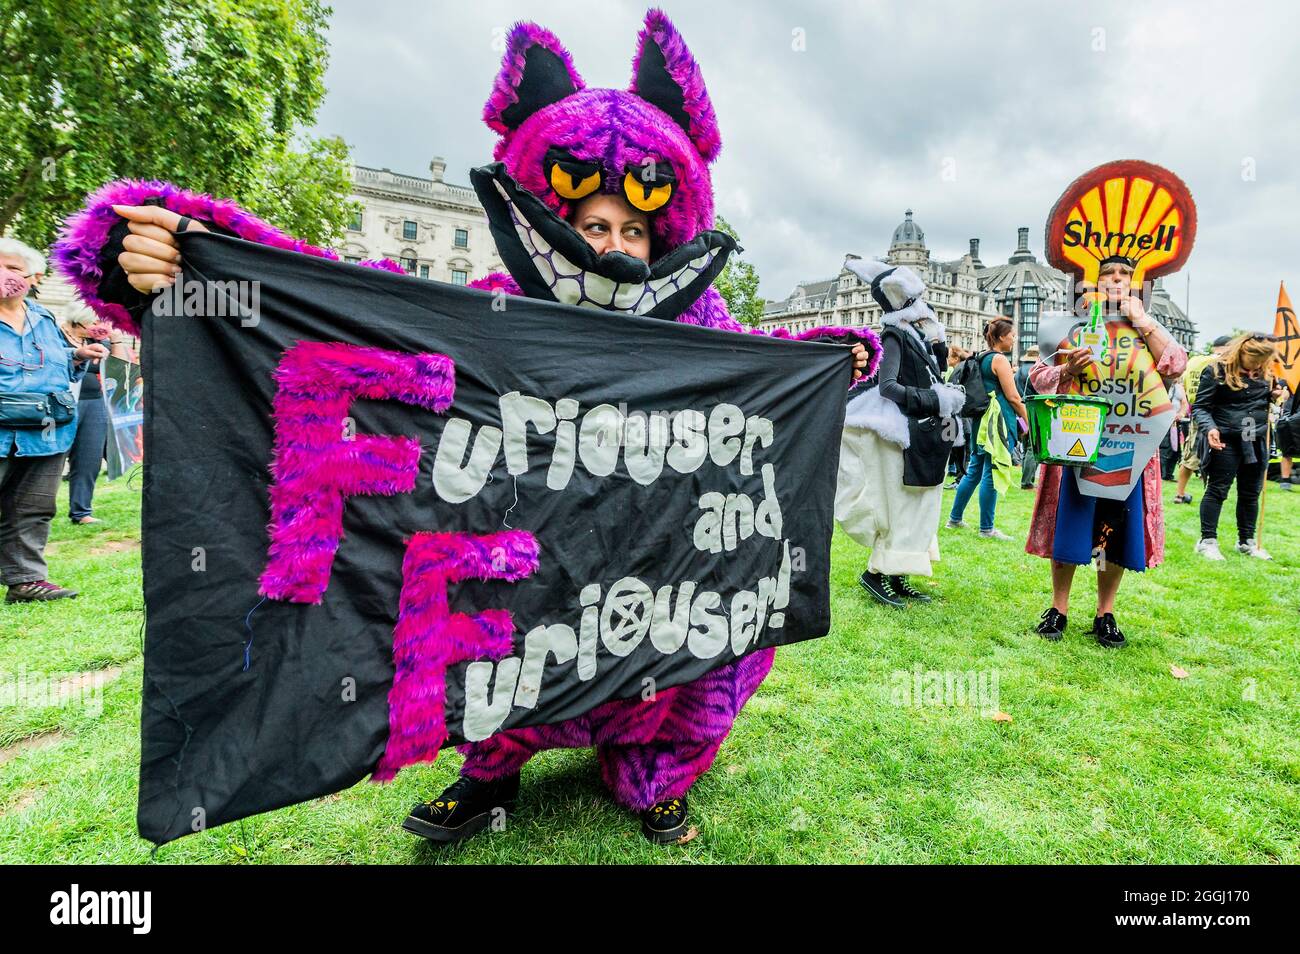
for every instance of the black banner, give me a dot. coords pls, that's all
(551, 507)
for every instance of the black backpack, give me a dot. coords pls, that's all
(968, 375)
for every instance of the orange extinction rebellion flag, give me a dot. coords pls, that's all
(1287, 332)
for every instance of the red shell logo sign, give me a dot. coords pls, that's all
(1131, 208)
(1145, 214)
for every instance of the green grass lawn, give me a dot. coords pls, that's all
(1107, 757)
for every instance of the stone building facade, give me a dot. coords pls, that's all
(434, 228)
(953, 292)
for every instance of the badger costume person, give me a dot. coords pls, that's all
(898, 433)
(600, 198)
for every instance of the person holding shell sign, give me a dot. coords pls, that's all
(1114, 228)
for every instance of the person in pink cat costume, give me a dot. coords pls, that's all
(600, 198)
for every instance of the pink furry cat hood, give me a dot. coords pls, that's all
(663, 121)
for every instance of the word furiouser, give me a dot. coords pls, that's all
(631, 611)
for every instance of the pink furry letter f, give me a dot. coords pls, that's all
(429, 637)
(319, 461)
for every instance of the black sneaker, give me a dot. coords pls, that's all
(906, 590)
(880, 587)
(1107, 631)
(665, 822)
(41, 591)
(1182, 498)
(465, 808)
(1053, 624)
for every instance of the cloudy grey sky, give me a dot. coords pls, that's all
(823, 148)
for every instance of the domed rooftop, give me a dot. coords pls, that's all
(908, 233)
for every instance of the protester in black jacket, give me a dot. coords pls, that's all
(1231, 415)
(898, 434)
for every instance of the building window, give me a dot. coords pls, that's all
(354, 222)
(462, 238)
(408, 265)
(409, 231)
(1028, 316)
(459, 276)
(424, 271)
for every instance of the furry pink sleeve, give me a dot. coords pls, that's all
(86, 237)
(710, 310)
(835, 334)
(502, 281)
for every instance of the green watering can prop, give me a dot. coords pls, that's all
(1066, 428)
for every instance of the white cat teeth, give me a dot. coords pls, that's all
(572, 285)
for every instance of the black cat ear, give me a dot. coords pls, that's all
(665, 74)
(535, 72)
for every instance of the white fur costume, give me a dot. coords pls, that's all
(897, 523)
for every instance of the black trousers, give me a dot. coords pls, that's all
(1169, 456)
(28, 486)
(1223, 468)
(87, 455)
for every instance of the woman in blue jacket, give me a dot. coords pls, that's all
(37, 425)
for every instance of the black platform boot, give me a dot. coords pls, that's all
(465, 808)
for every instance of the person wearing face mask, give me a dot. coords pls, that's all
(37, 424)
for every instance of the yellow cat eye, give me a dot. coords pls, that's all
(569, 186)
(645, 196)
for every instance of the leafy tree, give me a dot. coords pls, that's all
(206, 93)
(738, 284)
(305, 192)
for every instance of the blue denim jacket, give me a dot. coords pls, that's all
(54, 371)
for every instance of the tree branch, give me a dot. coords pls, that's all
(23, 186)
